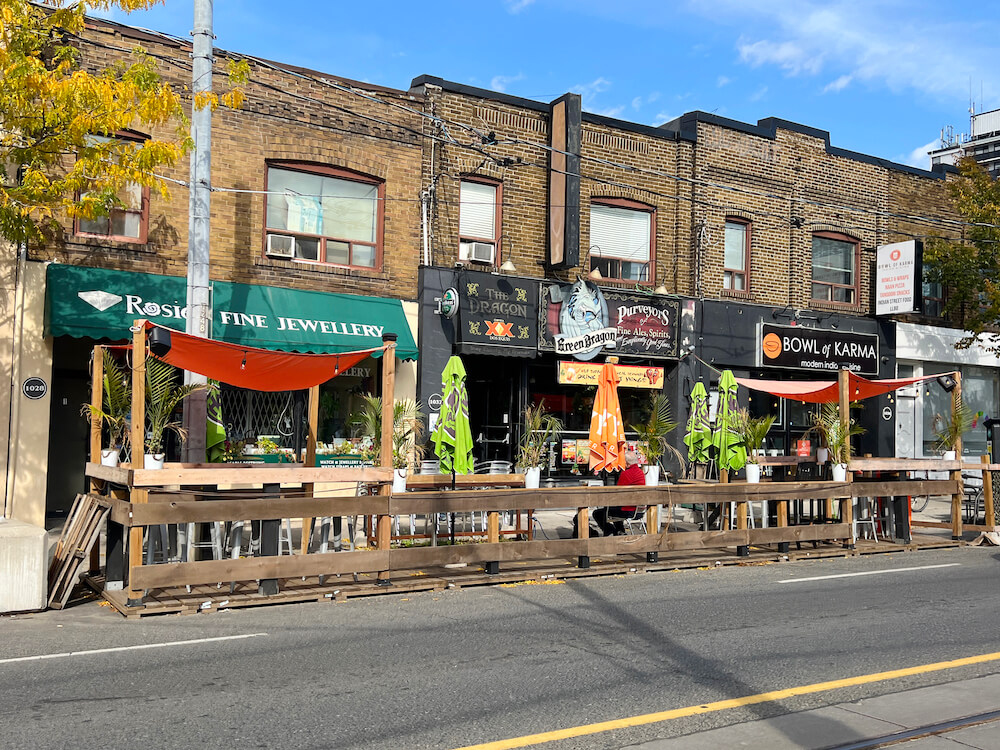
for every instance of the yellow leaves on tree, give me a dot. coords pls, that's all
(61, 154)
(968, 267)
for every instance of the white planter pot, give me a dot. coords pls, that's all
(753, 473)
(950, 455)
(153, 460)
(399, 480)
(109, 456)
(840, 472)
(822, 454)
(652, 473)
(532, 477)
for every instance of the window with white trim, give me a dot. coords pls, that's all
(621, 235)
(737, 254)
(324, 215)
(834, 268)
(478, 221)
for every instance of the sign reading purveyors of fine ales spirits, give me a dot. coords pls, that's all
(817, 349)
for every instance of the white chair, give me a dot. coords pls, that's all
(636, 523)
(865, 514)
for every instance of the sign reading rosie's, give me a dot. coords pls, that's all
(814, 349)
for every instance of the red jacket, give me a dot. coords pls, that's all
(632, 475)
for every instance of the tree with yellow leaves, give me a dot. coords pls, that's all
(969, 268)
(58, 121)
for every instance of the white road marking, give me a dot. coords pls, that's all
(132, 648)
(868, 573)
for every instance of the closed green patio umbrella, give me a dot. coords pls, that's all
(730, 451)
(453, 436)
(698, 438)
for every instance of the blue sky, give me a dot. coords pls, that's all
(882, 76)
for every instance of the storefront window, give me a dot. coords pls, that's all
(979, 392)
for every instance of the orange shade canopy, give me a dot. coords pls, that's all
(827, 391)
(245, 366)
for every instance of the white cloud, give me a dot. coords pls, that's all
(900, 45)
(639, 101)
(723, 81)
(789, 56)
(759, 94)
(590, 90)
(500, 83)
(839, 85)
(516, 6)
(663, 117)
(610, 111)
(918, 157)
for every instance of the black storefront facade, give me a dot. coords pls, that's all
(784, 343)
(525, 340)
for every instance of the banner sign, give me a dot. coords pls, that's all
(898, 278)
(582, 320)
(816, 349)
(497, 314)
(629, 376)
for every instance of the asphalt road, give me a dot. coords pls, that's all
(446, 670)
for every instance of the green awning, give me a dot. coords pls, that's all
(102, 304)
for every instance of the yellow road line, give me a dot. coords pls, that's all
(749, 700)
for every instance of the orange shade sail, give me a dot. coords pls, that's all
(607, 433)
(827, 391)
(248, 367)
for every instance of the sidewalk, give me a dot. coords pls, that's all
(866, 719)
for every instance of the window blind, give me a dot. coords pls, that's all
(478, 210)
(620, 232)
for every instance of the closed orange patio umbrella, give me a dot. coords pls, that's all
(607, 432)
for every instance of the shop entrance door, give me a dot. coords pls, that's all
(906, 441)
(493, 405)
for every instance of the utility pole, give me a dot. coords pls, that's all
(199, 309)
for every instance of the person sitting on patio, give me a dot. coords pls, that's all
(610, 519)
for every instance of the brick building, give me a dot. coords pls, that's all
(315, 241)
(736, 231)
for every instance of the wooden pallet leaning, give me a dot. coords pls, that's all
(80, 534)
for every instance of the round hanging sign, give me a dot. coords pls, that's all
(435, 401)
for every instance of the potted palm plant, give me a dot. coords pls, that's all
(407, 429)
(948, 431)
(539, 429)
(652, 435)
(753, 431)
(163, 395)
(115, 410)
(836, 435)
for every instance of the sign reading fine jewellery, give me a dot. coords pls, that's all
(898, 277)
(815, 349)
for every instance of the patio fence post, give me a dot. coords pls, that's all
(653, 527)
(383, 528)
(310, 461)
(493, 537)
(847, 503)
(990, 519)
(956, 474)
(583, 532)
(97, 400)
(743, 550)
(138, 448)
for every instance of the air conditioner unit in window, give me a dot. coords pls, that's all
(481, 252)
(280, 246)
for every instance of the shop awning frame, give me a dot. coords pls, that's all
(828, 391)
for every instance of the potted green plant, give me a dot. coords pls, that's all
(949, 430)
(652, 435)
(115, 411)
(836, 435)
(407, 431)
(163, 395)
(752, 432)
(539, 428)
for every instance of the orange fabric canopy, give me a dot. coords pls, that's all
(249, 367)
(826, 391)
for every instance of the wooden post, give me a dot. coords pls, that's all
(782, 523)
(492, 537)
(582, 532)
(844, 401)
(311, 438)
(742, 550)
(956, 475)
(138, 441)
(97, 400)
(653, 527)
(990, 519)
(383, 530)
